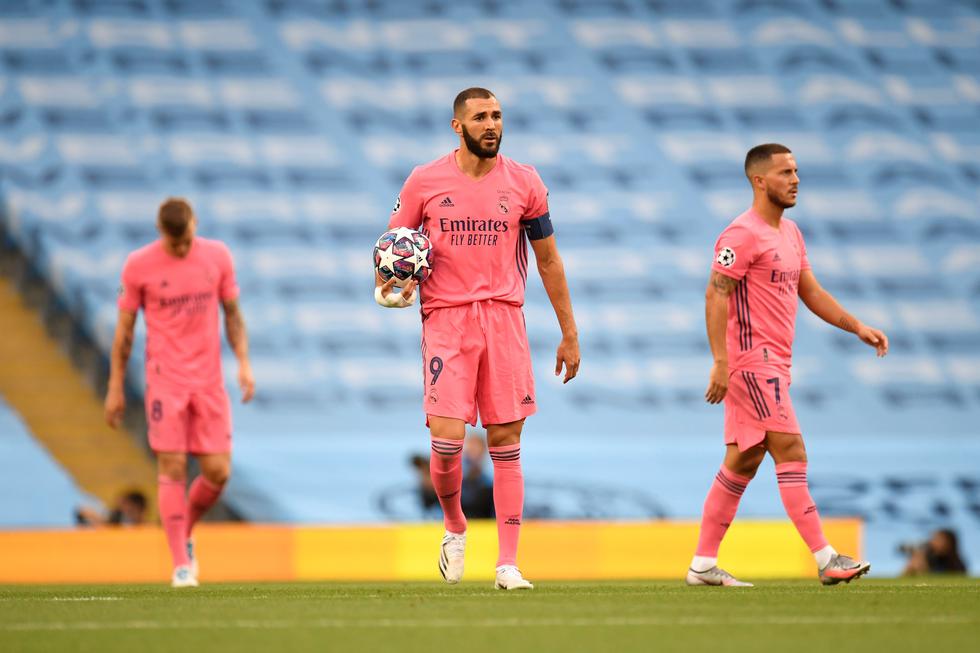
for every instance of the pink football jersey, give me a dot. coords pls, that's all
(762, 310)
(179, 298)
(479, 250)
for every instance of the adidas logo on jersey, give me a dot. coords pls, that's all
(446, 203)
(776, 258)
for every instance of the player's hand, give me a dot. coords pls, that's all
(717, 383)
(873, 337)
(246, 381)
(568, 356)
(115, 406)
(406, 293)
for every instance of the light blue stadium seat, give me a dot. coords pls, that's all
(37, 491)
(292, 125)
(34, 46)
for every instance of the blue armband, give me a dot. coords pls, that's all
(539, 227)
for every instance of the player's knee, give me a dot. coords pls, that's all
(504, 435)
(217, 474)
(748, 465)
(504, 438)
(173, 468)
(786, 447)
(445, 428)
(797, 453)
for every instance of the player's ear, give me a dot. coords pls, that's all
(457, 126)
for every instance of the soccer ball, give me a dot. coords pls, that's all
(403, 253)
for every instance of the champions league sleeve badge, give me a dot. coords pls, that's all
(726, 257)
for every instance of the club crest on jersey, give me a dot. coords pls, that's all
(726, 257)
(502, 205)
(398, 204)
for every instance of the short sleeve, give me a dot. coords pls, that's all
(408, 207)
(804, 261)
(537, 201)
(735, 251)
(130, 288)
(228, 289)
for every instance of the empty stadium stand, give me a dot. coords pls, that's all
(290, 124)
(37, 491)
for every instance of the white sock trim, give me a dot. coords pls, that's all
(823, 556)
(703, 563)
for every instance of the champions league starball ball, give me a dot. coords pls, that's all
(403, 253)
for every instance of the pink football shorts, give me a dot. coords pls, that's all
(757, 401)
(188, 421)
(476, 357)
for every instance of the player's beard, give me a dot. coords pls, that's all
(474, 145)
(782, 203)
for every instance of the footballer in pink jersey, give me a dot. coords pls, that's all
(480, 209)
(179, 282)
(759, 274)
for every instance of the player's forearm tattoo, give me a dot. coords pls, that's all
(846, 323)
(723, 284)
(235, 328)
(125, 347)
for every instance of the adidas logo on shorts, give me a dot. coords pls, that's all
(527, 400)
(446, 203)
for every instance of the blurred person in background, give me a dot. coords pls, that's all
(940, 554)
(129, 510)
(476, 494)
(477, 491)
(426, 492)
(179, 281)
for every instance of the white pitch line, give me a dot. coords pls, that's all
(239, 624)
(63, 598)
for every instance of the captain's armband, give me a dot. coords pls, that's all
(539, 227)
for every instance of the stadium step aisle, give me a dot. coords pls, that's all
(63, 413)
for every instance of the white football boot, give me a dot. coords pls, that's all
(451, 555)
(843, 569)
(183, 577)
(509, 578)
(714, 576)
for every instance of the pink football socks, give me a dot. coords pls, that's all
(719, 510)
(508, 499)
(799, 504)
(172, 504)
(203, 494)
(446, 471)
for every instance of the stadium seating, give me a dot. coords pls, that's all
(37, 491)
(290, 124)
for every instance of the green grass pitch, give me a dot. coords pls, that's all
(931, 615)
